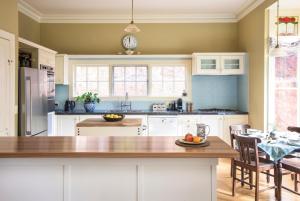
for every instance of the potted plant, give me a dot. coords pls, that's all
(89, 101)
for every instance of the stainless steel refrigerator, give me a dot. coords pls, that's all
(33, 102)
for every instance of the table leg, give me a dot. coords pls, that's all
(279, 180)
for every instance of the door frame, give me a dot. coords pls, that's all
(12, 70)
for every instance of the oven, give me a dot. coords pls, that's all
(50, 86)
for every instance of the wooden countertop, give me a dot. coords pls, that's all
(98, 122)
(109, 147)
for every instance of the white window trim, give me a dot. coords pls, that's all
(151, 62)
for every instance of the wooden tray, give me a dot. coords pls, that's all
(205, 144)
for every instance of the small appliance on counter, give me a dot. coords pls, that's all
(69, 106)
(179, 105)
(159, 107)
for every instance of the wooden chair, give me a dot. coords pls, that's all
(250, 160)
(292, 165)
(234, 130)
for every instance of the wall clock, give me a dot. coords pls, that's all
(129, 42)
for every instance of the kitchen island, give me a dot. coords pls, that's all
(101, 127)
(108, 169)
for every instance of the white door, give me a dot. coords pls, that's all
(231, 120)
(215, 123)
(66, 125)
(232, 65)
(4, 86)
(207, 65)
(162, 126)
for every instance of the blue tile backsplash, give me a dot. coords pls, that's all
(226, 92)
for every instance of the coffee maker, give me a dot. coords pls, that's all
(69, 105)
(179, 105)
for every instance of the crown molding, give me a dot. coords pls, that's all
(216, 18)
(28, 10)
(245, 10)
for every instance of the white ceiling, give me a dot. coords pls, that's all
(144, 9)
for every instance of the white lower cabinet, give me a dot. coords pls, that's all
(108, 179)
(231, 120)
(154, 125)
(162, 125)
(215, 123)
(66, 125)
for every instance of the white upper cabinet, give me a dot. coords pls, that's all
(61, 69)
(218, 63)
(46, 58)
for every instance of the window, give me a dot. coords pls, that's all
(91, 78)
(132, 79)
(168, 81)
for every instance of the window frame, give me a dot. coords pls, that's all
(187, 62)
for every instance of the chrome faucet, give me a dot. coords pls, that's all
(126, 105)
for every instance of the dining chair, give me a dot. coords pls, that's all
(234, 130)
(292, 164)
(249, 160)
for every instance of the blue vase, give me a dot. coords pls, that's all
(89, 107)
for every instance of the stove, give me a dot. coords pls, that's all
(218, 111)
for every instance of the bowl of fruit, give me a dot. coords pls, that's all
(190, 139)
(113, 117)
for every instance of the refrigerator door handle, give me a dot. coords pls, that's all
(28, 105)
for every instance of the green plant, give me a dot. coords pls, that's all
(88, 97)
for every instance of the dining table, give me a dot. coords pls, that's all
(277, 145)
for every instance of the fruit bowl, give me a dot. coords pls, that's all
(113, 117)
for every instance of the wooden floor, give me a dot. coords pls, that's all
(244, 193)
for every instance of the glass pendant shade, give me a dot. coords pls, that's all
(278, 52)
(132, 28)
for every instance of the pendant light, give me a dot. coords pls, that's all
(132, 28)
(278, 51)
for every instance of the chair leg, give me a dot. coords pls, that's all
(296, 182)
(231, 167)
(268, 176)
(233, 178)
(257, 186)
(251, 179)
(242, 176)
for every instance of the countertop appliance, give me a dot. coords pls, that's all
(69, 106)
(33, 102)
(162, 126)
(218, 111)
(179, 104)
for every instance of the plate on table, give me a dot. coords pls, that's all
(191, 143)
(294, 141)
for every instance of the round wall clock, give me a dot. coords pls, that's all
(129, 42)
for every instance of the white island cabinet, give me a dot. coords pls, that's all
(108, 169)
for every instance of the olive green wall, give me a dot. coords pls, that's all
(253, 39)
(29, 28)
(9, 16)
(153, 39)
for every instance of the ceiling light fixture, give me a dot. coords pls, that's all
(132, 28)
(278, 51)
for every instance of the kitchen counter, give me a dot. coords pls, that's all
(121, 147)
(108, 168)
(147, 112)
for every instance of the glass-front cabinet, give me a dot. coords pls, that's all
(218, 63)
(232, 64)
(207, 64)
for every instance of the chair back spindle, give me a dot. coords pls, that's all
(248, 150)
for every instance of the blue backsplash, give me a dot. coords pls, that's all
(227, 92)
